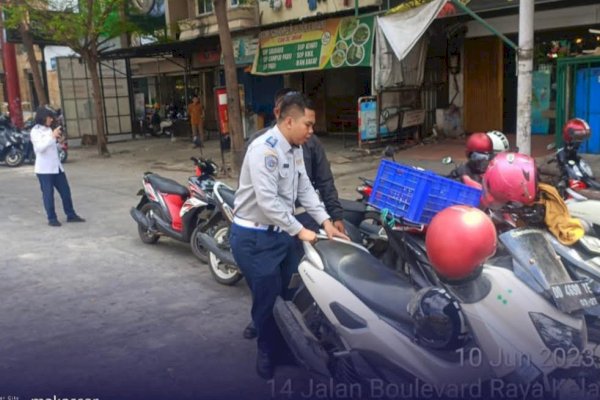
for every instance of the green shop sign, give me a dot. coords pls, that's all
(332, 43)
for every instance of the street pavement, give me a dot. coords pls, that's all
(89, 311)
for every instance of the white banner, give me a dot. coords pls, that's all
(403, 30)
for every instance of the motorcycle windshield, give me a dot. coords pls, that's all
(534, 260)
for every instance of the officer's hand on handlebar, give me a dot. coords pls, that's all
(332, 231)
(307, 235)
(339, 224)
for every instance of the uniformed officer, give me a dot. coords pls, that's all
(319, 172)
(263, 232)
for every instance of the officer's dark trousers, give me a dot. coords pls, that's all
(59, 181)
(268, 260)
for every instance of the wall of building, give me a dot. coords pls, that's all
(241, 16)
(543, 20)
(300, 9)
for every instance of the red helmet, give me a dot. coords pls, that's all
(459, 239)
(510, 177)
(479, 143)
(576, 130)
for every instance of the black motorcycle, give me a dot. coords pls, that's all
(575, 173)
(11, 143)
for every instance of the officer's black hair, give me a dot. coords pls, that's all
(42, 113)
(282, 92)
(294, 100)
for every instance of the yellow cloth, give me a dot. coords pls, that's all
(558, 220)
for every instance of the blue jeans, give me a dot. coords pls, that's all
(59, 181)
(268, 260)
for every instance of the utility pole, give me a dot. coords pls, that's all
(524, 71)
(9, 57)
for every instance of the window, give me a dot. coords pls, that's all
(205, 6)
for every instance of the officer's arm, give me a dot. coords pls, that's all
(323, 179)
(309, 198)
(264, 173)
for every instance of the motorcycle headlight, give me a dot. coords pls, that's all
(557, 335)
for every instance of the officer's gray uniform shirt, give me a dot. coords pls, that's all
(273, 176)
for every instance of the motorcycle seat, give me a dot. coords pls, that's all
(353, 206)
(227, 194)
(369, 279)
(167, 185)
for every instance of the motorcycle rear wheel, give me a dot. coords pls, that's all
(223, 273)
(148, 236)
(14, 158)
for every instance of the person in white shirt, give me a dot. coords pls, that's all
(48, 167)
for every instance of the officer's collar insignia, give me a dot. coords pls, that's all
(270, 162)
(271, 141)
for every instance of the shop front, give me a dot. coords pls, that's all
(329, 60)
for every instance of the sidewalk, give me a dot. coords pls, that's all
(171, 158)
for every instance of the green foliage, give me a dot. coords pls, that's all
(78, 24)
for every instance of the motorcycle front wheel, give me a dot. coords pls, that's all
(14, 158)
(223, 273)
(149, 236)
(197, 248)
(63, 155)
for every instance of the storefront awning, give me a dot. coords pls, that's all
(180, 48)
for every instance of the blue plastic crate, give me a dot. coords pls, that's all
(417, 195)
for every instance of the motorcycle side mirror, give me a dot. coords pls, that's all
(447, 160)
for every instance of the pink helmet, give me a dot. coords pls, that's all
(510, 177)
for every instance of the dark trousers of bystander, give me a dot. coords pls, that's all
(59, 181)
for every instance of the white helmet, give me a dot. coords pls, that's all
(499, 141)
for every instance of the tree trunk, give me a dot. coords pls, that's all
(35, 70)
(91, 60)
(233, 94)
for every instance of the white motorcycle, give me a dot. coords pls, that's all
(354, 320)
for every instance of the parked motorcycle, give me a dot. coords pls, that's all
(575, 172)
(221, 263)
(167, 208)
(356, 321)
(11, 145)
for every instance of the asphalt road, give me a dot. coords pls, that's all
(88, 310)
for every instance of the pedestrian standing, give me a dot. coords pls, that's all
(48, 167)
(264, 229)
(196, 113)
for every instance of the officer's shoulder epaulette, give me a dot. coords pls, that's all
(271, 141)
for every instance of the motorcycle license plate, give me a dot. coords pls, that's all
(573, 296)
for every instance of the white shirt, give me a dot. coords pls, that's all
(46, 151)
(273, 176)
